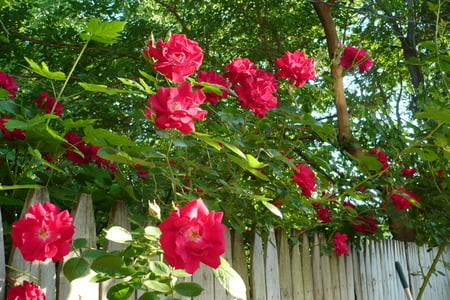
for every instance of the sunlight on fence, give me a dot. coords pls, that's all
(274, 269)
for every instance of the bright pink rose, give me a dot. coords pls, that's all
(176, 107)
(356, 57)
(215, 78)
(403, 198)
(26, 291)
(296, 67)
(49, 104)
(256, 92)
(340, 244)
(382, 157)
(176, 59)
(43, 233)
(408, 172)
(324, 214)
(7, 82)
(193, 234)
(240, 69)
(305, 179)
(15, 134)
(365, 224)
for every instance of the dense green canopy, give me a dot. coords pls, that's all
(401, 106)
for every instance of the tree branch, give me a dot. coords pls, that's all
(345, 136)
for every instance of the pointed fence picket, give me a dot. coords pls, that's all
(271, 267)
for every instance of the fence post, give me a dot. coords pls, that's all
(307, 268)
(285, 265)
(258, 270)
(84, 221)
(2, 260)
(43, 270)
(239, 261)
(117, 216)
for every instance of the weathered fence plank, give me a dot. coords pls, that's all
(84, 222)
(307, 267)
(284, 262)
(317, 272)
(258, 277)
(44, 270)
(283, 272)
(2, 260)
(296, 273)
(272, 270)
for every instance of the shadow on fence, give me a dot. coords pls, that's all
(274, 270)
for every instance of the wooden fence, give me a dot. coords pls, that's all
(274, 270)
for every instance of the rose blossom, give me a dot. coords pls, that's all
(382, 157)
(340, 244)
(365, 224)
(7, 82)
(47, 103)
(176, 107)
(402, 198)
(256, 93)
(26, 291)
(214, 78)
(353, 56)
(324, 214)
(296, 67)
(176, 59)
(193, 234)
(15, 134)
(43, 233)
(408, 172)
(240, 69)
(305, 179)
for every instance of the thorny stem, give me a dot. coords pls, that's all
(430, 272)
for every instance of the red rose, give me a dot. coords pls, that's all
(340, 244)
(256, 92)
(26, 291)
(324, 214)
(176, 107)
(408, 172)
(403, 198)
(356, 57)
(176, 59)
(75, 141)
(215, 78)
(296, 67)
(305, 179)
(240, 69)
(382, 157)
(7, 82)
(49, 104)
(43, 233)
(365, 224)
(15, 134)
(193, 234)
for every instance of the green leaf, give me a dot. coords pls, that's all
(213, 142)
(188, 289)
(435, 113)
(18, 186)
(234, 149)
(132, 83)
(120, 291)
(426, 154)
(369, 163)
(230, 280)
(149, 296)
(119, 235)
(273, 209)
(100, 88)
(157, 286)
(111, 265)
(253, 162)
(159, 268)
(114, 155)
(80, 243)
(44, 71)
(212, 88)
(152, 232)
(4, 93)
(93, 253)
(75, 268)
(103, 32)
(95, 135)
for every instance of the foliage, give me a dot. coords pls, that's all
(90, 59)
